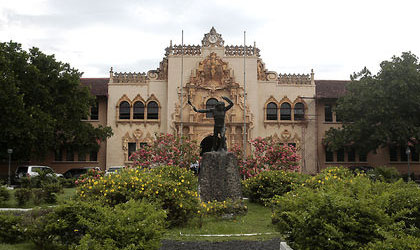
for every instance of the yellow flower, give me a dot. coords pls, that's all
(180, 205)
(175, 189)
(157, 192)
(90, 187)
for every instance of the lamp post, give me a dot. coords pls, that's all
(407, 152)
(9, 151)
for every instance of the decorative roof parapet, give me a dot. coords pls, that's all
(294, 79)
(127, 77)
(188, 50)
(239, 51)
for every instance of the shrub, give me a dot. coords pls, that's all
(4, 195)
(346, 211)
(50, 190)
(386, 174)
(221, 208)
(173, 188)
(268, 154)
(10, 230)
(68, 183)
(91, 225)
(22, 195)
(267, 184)
(132, 225)
(37, 228)
(167, 150)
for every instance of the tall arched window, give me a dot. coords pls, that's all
(285, 111)
(138, 110)
(209, 105)
(299, 111)
(124, 110)
(272, 111)
(152, 110)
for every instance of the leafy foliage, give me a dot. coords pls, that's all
(266, 185)
(267, 155)
(167, 150)
(43, 104)
(89, 225)
(347, 211)
(223, 208)
(172, 188)
(4, 195)
(10, 230)
(382, 109)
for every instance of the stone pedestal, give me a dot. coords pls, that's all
(219, 177)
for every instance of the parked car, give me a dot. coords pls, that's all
(32, 171)
(113, 169)
(77, 172)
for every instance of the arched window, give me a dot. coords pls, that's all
(285, 111)
(138, 110)
(272, 111)
(209, 105)
(124, 110)
(152, 111)
(299, 111)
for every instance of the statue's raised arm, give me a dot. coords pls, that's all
(229, 101)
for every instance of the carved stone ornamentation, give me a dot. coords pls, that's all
(212, 71)
(212, 39)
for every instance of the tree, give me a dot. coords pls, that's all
(42, 105)
(268, 154)
(380, 110)
(167, 150)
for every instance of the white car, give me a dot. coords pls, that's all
(113, 169)
(31, 171)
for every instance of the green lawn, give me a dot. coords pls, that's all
(257, 220)
(12, 203)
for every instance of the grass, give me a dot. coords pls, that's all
(257, 220)
(61, 197)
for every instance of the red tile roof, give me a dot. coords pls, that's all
(98, 86)
(330, 89)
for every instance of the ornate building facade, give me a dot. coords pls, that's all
(294, 109)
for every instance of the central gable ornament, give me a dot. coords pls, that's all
(212, 39)
(212, 71)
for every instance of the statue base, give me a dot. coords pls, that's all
(219, 177)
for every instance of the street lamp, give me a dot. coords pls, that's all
(9, 151)
(407, 152)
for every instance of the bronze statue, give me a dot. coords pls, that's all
(218, 113)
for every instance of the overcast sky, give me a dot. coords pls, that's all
(335, 38)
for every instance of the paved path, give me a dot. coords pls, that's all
(273, 244)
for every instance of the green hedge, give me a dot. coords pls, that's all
(338, 210)
(91, 225)
(266, 185)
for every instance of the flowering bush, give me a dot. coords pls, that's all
(348, 211)
(267, 184)
(220, 208)
(172, 188)
(92, 174)
(267, 155)
(167, 150)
